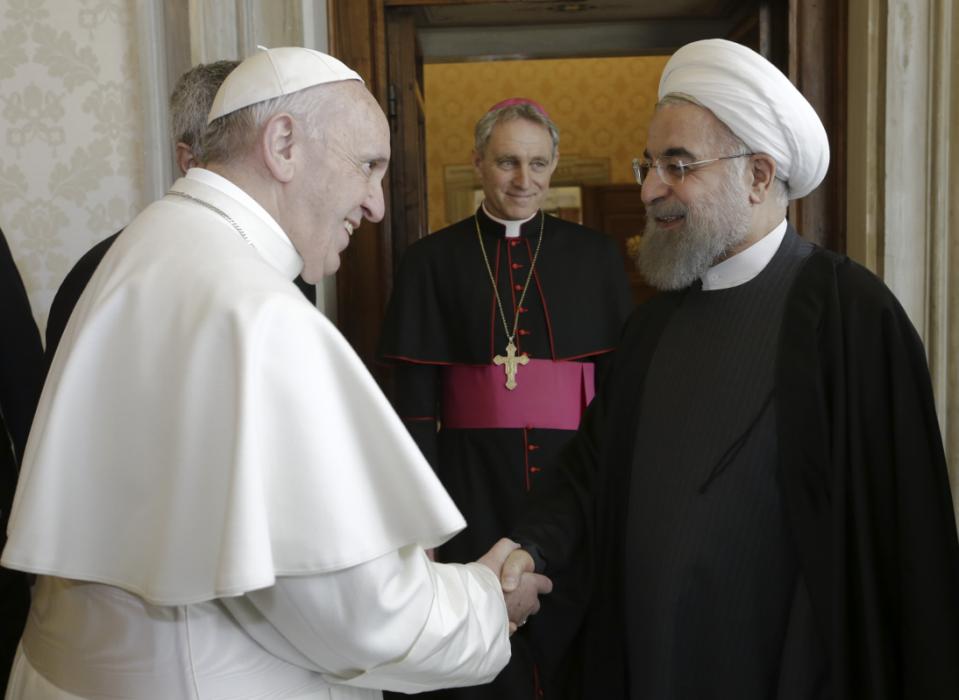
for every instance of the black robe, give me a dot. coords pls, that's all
(21, 375)
(864, 480)
(443, 312)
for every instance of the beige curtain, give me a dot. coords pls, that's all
(903, 193)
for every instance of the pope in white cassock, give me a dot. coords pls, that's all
(217, 499)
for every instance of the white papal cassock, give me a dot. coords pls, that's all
(219, 501)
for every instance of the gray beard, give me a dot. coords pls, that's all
(713, 226)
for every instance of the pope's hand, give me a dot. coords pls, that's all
(521, 587)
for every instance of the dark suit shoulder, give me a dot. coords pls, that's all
(577, 231)
(463, 232)
(70, 290)
(853, 282)
(444, 239)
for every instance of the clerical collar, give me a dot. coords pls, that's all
(261, 229)
(745, 265)
(512, 227)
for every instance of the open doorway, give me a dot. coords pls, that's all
(395, 43)
(594, 66)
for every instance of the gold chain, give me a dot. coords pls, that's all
(492, 279)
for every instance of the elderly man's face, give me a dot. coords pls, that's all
(344, 184)
(515, 168)
(693, 224)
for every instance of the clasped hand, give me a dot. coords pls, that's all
(521, 586)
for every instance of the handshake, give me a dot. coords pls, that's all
(521, 586)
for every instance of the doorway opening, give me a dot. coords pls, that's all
(389, 42)
(594, 66)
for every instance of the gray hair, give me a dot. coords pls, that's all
(231, 136)
(191, 100)
(484, 127)
(725, 141)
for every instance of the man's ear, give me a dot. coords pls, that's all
(762, 171)
(276, 144)
(184, 157)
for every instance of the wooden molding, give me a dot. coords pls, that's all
(357, 37)
(942, 337)
(817, 65)
(865, 106)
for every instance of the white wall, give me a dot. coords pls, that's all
(83, 123)
(70, 154)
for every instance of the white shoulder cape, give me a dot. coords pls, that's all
(204, 429)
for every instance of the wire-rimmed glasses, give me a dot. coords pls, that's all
(672, 169)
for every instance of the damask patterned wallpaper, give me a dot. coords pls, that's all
(601, 106)
(70, 149)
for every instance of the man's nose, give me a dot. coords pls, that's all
(653, 187)
(374, 207)
(521, 176)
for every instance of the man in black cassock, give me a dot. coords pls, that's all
(497, 328)
(190, 104)
(21, 375)
(761, 481)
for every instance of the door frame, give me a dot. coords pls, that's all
(817, 60)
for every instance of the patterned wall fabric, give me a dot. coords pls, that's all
(70, 148)
(601, 105)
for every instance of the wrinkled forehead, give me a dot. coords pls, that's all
(682, 129)
(354, 110)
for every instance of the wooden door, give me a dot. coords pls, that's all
(618, 211)
(409, 218)
(365, 276)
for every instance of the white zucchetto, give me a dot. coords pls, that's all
(271, 73)
(757, 102)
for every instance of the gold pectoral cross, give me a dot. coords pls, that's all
(510, 363)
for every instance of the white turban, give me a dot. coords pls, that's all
(757, 102)
(271, 73)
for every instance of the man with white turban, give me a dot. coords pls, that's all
(218, 501)
(761, 479)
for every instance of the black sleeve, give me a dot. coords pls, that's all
(867, 485)
(559, 511)
(416, 400)
(21, 370)
(897, 468)
(21, 353)
(69, 293)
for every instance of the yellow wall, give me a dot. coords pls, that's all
(601, 106)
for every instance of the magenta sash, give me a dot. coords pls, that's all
(548, 395)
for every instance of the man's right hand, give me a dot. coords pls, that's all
(521, 586)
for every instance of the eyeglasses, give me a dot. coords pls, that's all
(672, 169)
